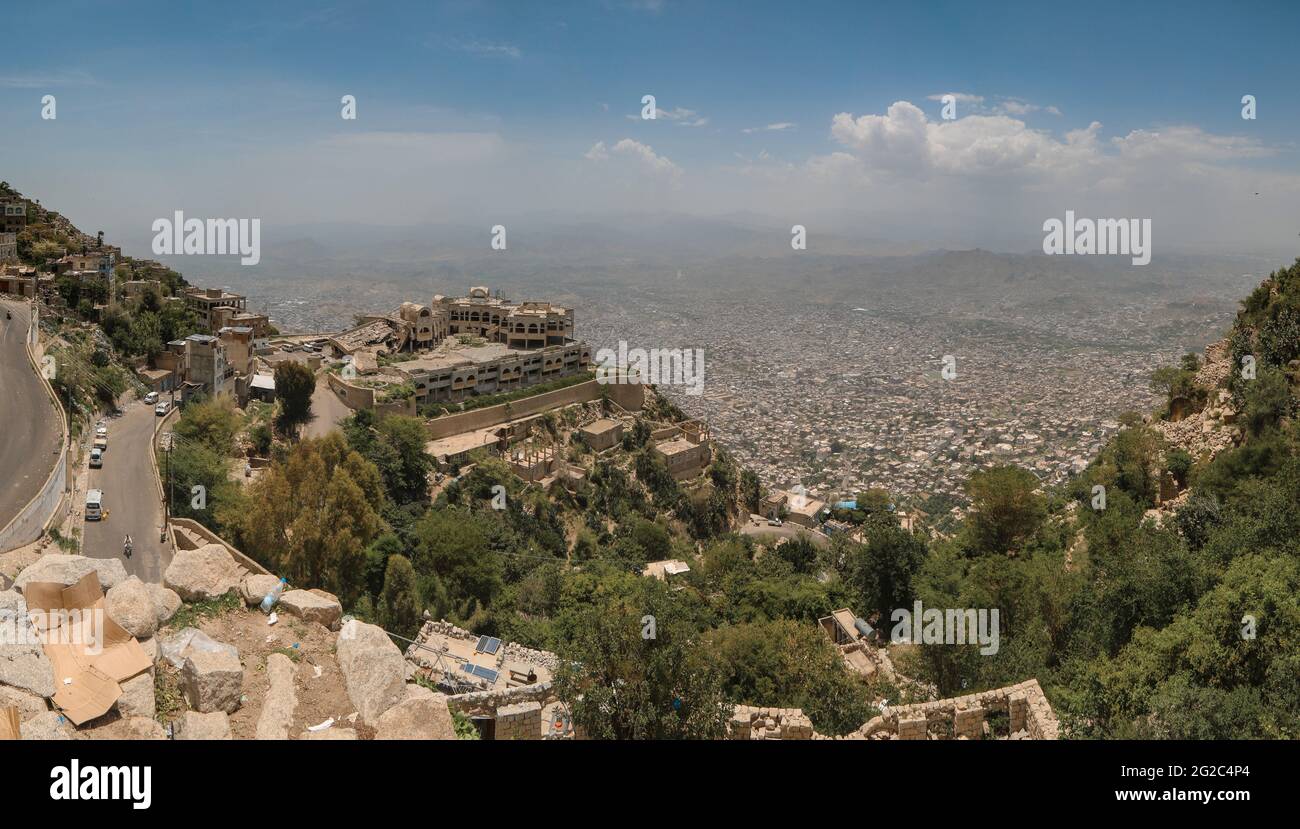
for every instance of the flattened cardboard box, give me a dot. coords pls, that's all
(9, 729)
(88, 648)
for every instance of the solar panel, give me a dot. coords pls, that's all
(488, 644)
(480, 672)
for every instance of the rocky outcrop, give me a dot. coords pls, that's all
(255, 586)
(165, 602)
(130, 604)
(137, 698)
(423, 715)
(280, 701)
(373, 669)
(212, 681)
(48, 726)
(314, 606)
(29, 705)
(68, 570)
(206, 573)
(198, 726)
(23, 663)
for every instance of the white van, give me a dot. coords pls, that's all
(96, 458)
(94, 505)
(151, 397)
(162, 408)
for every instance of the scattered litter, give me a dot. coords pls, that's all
(322, 726)
(67, 680)
(180, 645)
(295, 646)
(273, 618)
(316, 675)
(352, 717)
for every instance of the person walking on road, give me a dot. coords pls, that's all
(126, 546)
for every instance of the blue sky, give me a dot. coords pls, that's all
(475, 108)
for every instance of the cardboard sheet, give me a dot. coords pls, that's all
(9, 724)
(90, 652)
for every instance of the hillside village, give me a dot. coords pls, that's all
(465, 521)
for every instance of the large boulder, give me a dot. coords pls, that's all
(15, 561)
(212, 681)
(68, 570)
(137, 698)
(280, 701)
(48, 726)
(150, 648)
(143, 728)
(206, 573)
(130, 604)
(314, 606)
(175, 647)
(255, 586)
(197, 726)
(423, 715)
(165, 602)
(29, 705)
(373, 669)
(23, 663)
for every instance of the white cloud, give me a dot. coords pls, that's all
(777, 127)
(959, 97)
(644, 154)
(681, 116)
(490, 49)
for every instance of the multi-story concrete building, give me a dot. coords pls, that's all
(210, 301)
(468, 346)
(8, 247)
(96, 262)
(198, 362)
(528, 324)
(456, 372)
(13, 215)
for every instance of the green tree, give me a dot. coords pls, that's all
(294, 385)
(621, 684)
(399, 603)
(1005, 509)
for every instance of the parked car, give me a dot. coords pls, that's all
(101, 429)
(162, 408)
(94, 505)
(96, 458)
(100, 445)
(151, 397)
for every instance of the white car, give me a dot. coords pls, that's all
(151, 397)
(162, 408)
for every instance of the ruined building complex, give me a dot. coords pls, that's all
(455, 348)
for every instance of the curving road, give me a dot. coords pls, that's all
(130, 496)
(29, 425)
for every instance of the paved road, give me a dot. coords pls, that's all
(29, 424)
(130, 496)
(327, 408)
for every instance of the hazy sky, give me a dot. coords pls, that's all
(825, 114)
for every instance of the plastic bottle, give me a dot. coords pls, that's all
(269, 600)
